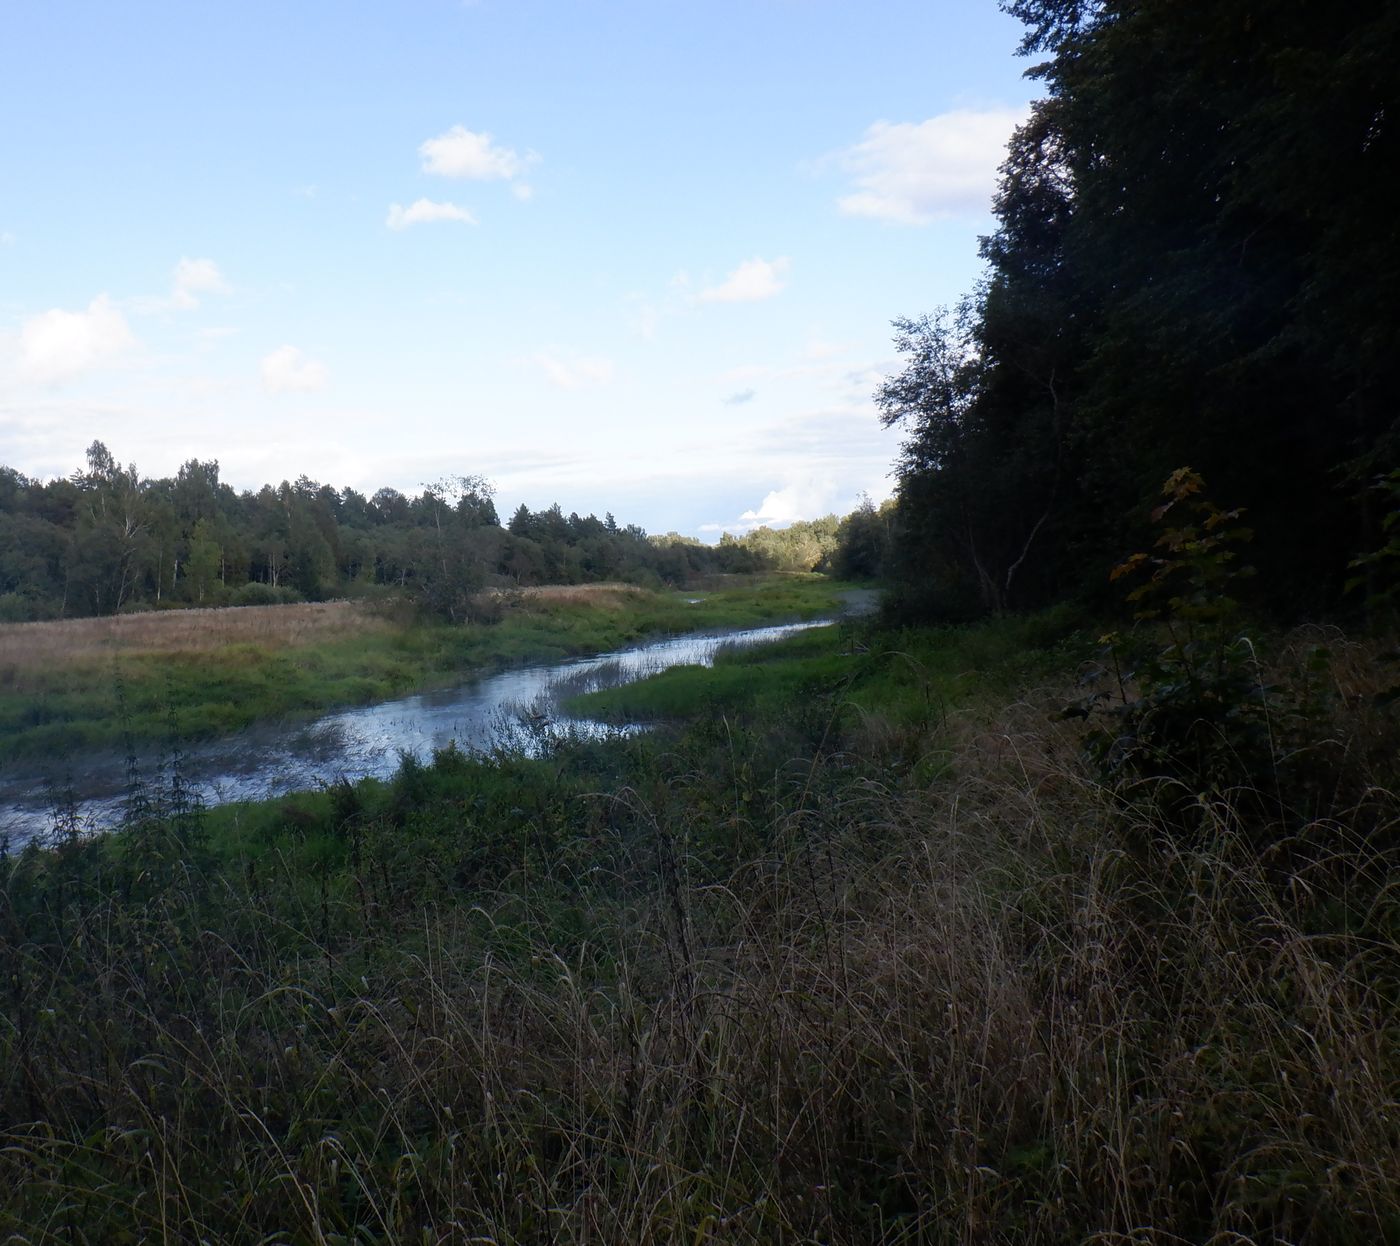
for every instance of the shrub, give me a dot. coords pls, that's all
(1188, 702)
(18, 608)
(255, 593)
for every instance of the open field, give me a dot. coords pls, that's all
(31, 646)
(602, 596)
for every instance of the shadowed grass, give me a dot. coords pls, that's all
(883, 680)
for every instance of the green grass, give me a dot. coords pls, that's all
(908, 678)
(84, 704)
(859, 950)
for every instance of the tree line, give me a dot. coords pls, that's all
(107, 539)
(1195, 264)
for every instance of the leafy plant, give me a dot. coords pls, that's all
(1189, 702)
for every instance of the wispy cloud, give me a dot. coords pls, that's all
(740, 398)
(286, 370)
(426, 211)
(57, 345)
(753, 280)
(190, 281)
(193, 278)
(913, 173)
(572, 371)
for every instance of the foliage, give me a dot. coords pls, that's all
(1193, 709)
(1195, 567)
(1192, 263)
(107, 539)
(862, 542)
(1379, 570)
(1190, 715)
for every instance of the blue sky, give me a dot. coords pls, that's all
(638, 257)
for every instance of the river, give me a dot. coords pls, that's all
(267, 760)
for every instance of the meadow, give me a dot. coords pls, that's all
(862, 945)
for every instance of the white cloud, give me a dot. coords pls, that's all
(913, 173)
(287, 370)
(188, 282)
(574, 371)
(460, 152)
(193, 278)
(424, 211)
(739, 398)
(57, 344)
(805, 499)
(7, 239)
(753, 280)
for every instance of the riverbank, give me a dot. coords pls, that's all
(98, 790)
(875, 952)
(94, 683)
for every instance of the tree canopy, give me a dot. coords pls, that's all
(107, 539)
(1195, 263)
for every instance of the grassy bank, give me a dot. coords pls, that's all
(867, 952)
(81, 683)
(904, 679)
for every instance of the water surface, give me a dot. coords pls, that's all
(516, 707)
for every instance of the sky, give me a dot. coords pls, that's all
(637, 256)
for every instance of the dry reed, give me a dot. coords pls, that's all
(70, 642)
(604, 595)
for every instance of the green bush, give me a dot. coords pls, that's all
(18, 608)
(1188, 703)
(255, 593)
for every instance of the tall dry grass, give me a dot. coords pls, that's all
(68, 642)
(1008, 1007)
(605, 595)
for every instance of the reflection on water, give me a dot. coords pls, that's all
(514, 708)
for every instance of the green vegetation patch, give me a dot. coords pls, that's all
(909, 677)
(91, 701)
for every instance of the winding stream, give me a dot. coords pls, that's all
(272, 759)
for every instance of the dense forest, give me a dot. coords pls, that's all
(1196, 265)
(106, 540)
